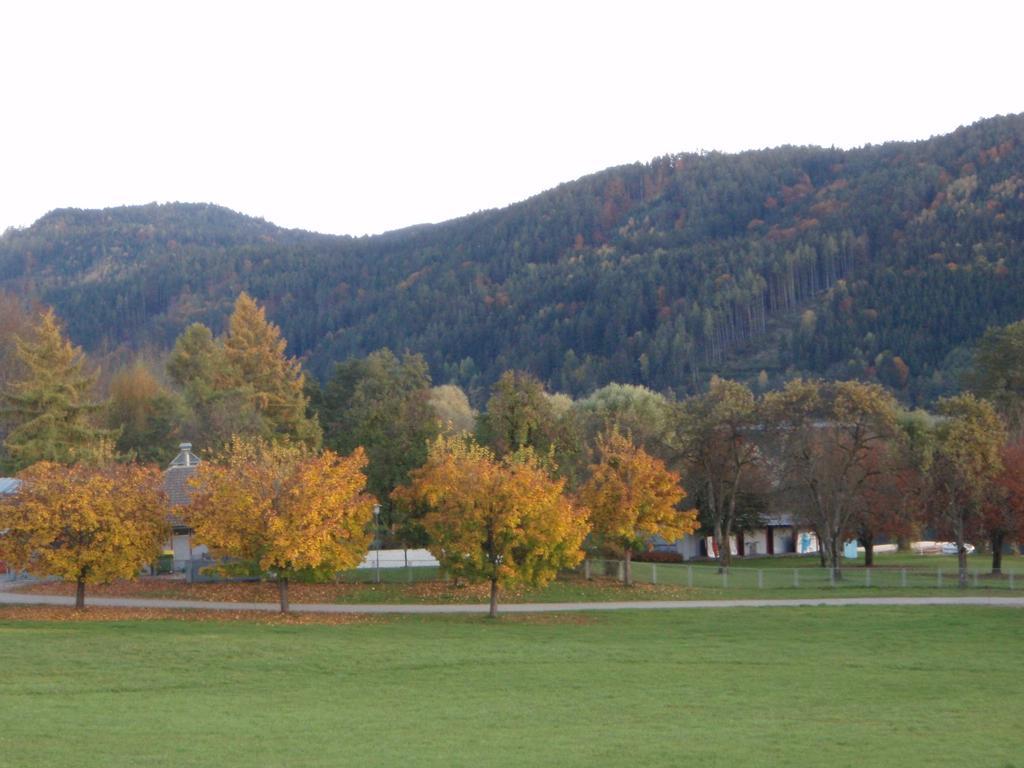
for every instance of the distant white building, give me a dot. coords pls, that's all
(780, 535)
(8, 485)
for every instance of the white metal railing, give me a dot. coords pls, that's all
(713, 576)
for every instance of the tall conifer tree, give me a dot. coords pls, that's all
(255, 354)
(51, 404)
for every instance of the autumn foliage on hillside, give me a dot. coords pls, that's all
(874, 262)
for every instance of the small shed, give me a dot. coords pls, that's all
(179, 494)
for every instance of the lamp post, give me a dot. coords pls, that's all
(376, 537)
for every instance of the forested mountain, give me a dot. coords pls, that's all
(880, 262)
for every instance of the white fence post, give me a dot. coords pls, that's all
(938, 578)
(654, 573)
(689, 576)
(867, 577)
(586, 569)
(903, 577)
(622, 570)
(1011, 580)
(796, 577)
(760, 579)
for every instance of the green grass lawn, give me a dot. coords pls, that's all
(980, 561)
(894, 575)
(848, 686)
(796, 574)
(708, 587)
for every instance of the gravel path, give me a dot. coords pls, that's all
(8, 597)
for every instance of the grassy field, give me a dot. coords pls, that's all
(980, 561)
(895, 572)
(823, 686)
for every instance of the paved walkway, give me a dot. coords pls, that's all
(17, 598)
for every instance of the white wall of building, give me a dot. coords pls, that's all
(180, 546)
(755, 542)
(688, 547)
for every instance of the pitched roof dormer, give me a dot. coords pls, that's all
(185, 457)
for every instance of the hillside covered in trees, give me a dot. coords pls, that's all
(882, 262)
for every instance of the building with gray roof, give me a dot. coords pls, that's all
(179, 494)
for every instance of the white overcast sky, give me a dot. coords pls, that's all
(360, 117)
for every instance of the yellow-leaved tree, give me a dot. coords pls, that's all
(504, 521)
(633, 496)
(83, 523)
(283, 507)
(965, 462)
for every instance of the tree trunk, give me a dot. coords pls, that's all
(961, 555)
(997, 553)
(494, 599)
(903, 543)
(80, 594)
(834, 557)
(282, 591)
(723, 548)
(731, 519)
(629, 567)
(869, 550)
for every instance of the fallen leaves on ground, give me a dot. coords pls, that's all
(175, 588)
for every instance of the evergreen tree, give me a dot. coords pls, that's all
(998, 372)
(255, 354)
(382, 404)
(519, 415)
(196, 360)
(221, 408)
(16, 321)
(51, 406)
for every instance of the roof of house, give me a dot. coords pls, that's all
(176, 486)
(9, 484)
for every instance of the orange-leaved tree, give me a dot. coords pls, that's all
(83, 523)
(633, 496)
(283, 508)
(504, 521)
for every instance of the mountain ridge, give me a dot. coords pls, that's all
(655, 273)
